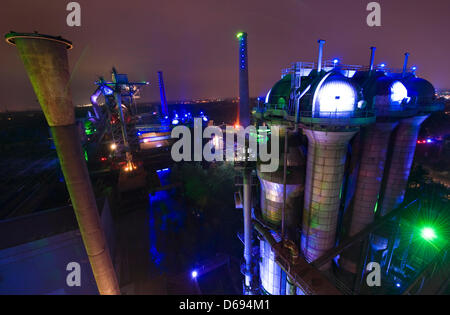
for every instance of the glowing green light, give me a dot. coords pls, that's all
(428, 234)
(239, 35)
(89, 128)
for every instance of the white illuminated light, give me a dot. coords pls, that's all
(398, 92)
(268, 96)
(336, 96)
(194, 274)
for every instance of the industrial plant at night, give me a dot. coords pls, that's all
(333, 181)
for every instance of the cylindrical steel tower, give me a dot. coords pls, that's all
(272, 203)
(327, 153)
(332, 122)
(376, 141)
(422, 94)
(46, 62)
(272, 188)
(270, 272)
(401, 161)
(388, 97)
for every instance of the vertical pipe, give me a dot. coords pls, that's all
(244, 94)
(405, 64)
(327, 153)
(46, 63)
(248, 227)
(319, 59)
(162, 92)
(372, 57)
(285, 162)
(401, 161)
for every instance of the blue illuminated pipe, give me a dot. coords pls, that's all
(319, 61)
(372, 57)
(405, 65)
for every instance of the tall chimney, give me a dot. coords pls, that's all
(244, 94)
(319, 59)
(372, 57)
(162, 92)
(46, 62)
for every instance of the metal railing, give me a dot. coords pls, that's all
(338, 114)
(425, 281)
(297, 67)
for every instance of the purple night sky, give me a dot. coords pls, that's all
(193, 41)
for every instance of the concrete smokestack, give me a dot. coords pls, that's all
(46, 62)
(319, 59)
(372, 57)
(162, 91)
(244, 94)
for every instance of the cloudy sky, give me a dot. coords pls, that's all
(193, 41)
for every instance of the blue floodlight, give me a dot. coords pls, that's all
(106, 90)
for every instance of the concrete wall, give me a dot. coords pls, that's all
(33, 260)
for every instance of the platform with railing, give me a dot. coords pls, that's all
(305, 68)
